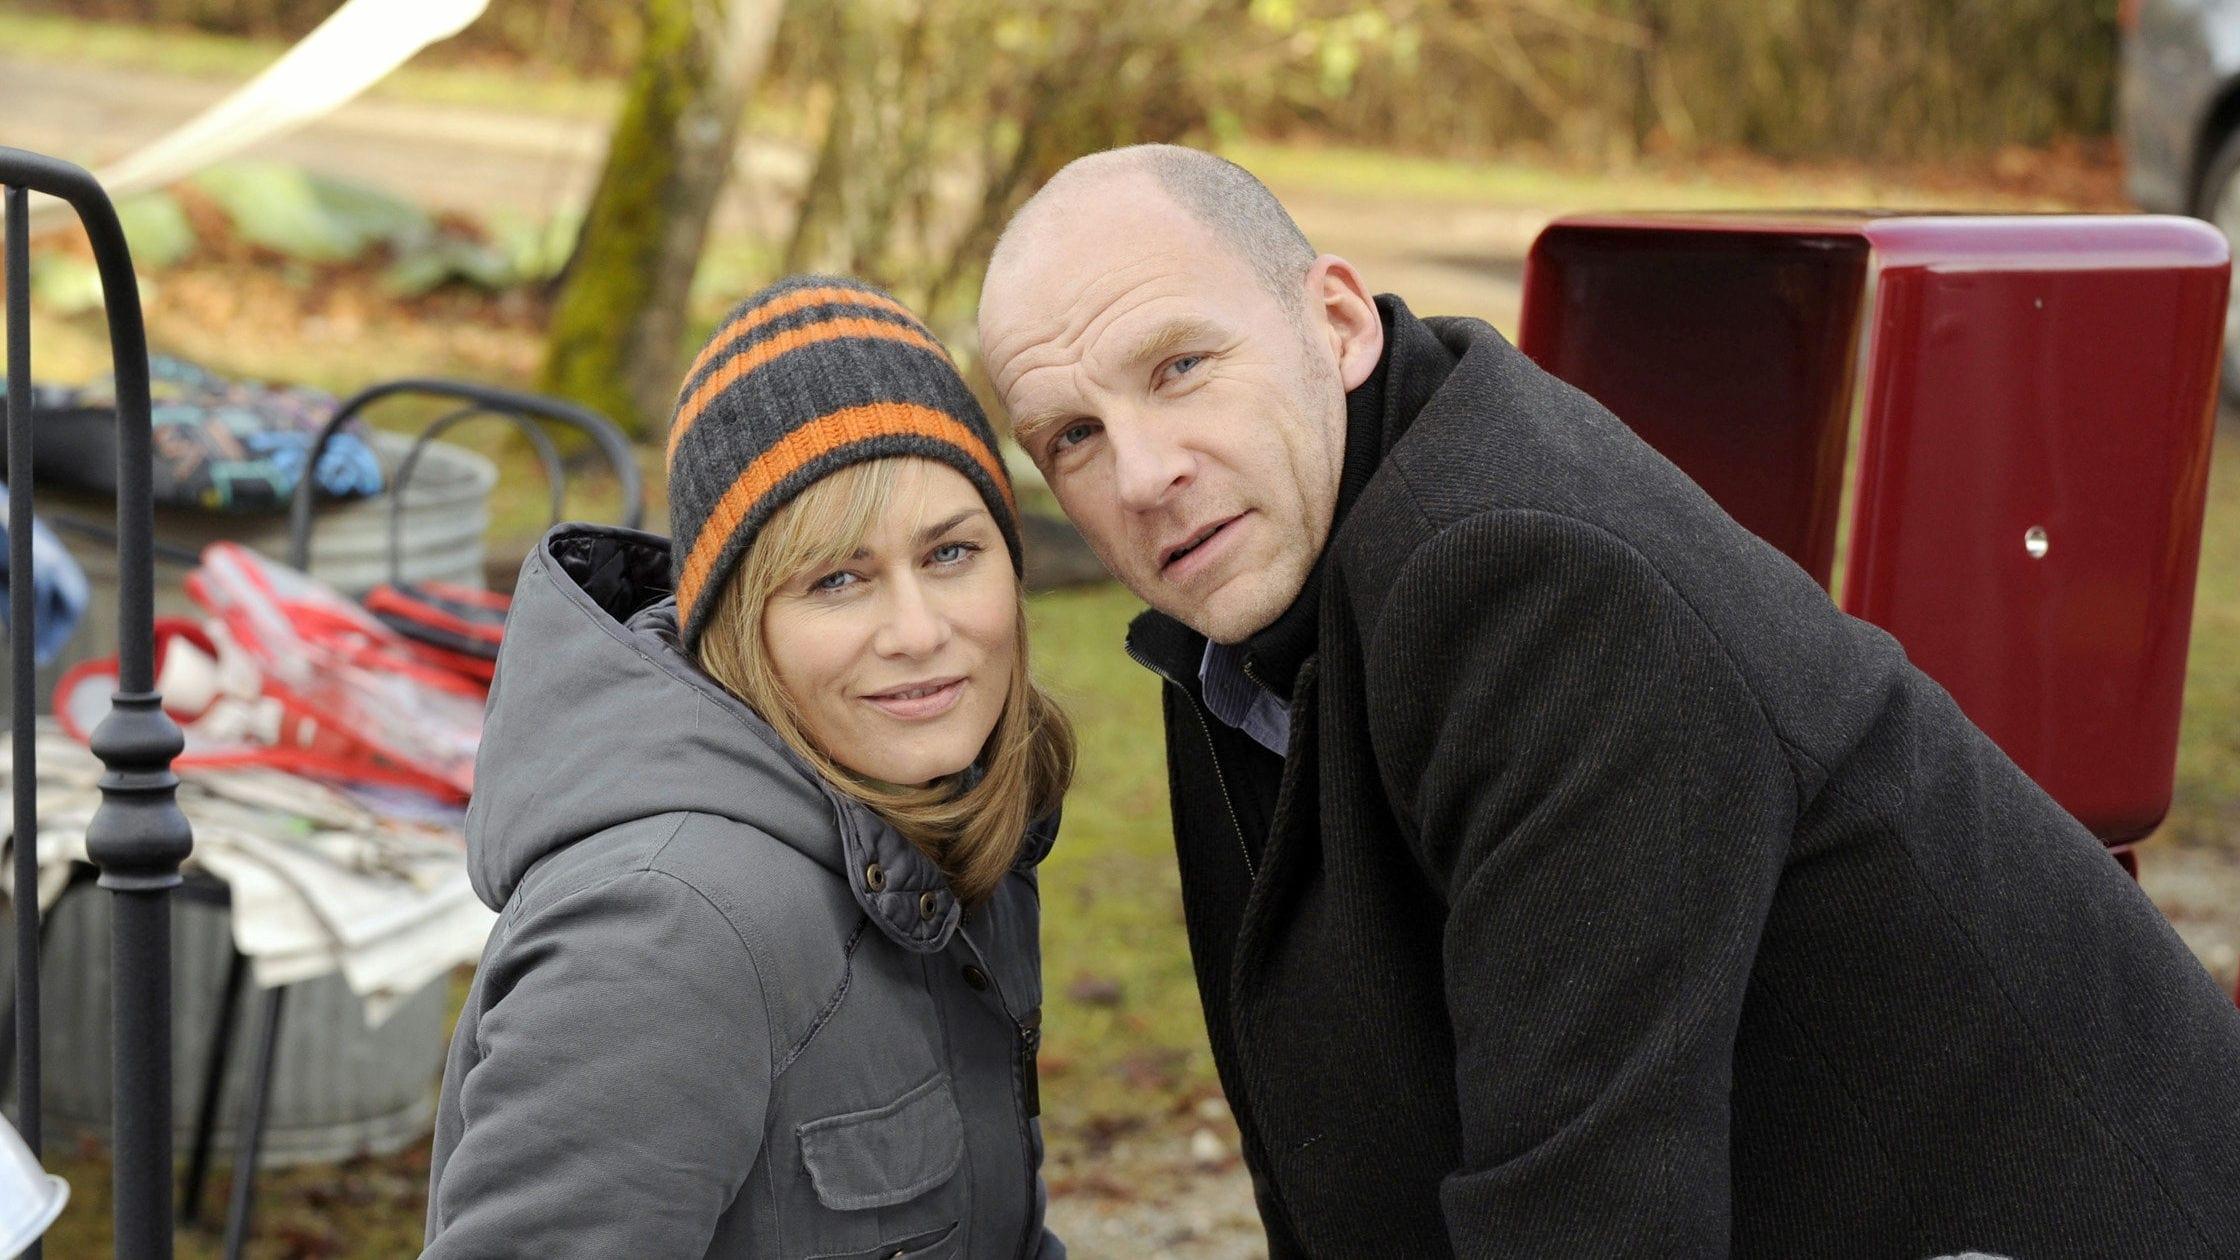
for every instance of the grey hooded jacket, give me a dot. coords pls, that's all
(725, 1011)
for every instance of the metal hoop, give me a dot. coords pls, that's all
(489, 398)
(547, 454)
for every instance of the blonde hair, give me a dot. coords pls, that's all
(974, 834)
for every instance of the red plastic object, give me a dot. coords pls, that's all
(2033, 442)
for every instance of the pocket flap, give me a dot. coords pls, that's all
(938, 1244)
(887, 1155)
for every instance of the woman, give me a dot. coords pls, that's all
(766, 978)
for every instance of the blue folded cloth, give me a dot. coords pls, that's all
(58, 588)
(218, 444)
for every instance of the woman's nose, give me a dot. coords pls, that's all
(914, 626)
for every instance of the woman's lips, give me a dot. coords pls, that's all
(920, 700)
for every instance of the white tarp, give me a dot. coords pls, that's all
(352, 50)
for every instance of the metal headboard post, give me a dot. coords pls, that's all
(138, 836)
(21, 666)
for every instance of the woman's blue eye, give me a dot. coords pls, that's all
(833, 581)
(953, 553)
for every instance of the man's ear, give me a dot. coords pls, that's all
(1348, 317)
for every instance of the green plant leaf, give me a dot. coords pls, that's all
(441, 260)
(65, 284)
(371, 214)
(536, 249)
(156, 229)
(278, 207)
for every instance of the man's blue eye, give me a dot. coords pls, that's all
(1073, 435)
(1185, 363)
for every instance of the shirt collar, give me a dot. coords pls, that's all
(1237, 699)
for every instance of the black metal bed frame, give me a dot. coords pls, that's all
(138, 836)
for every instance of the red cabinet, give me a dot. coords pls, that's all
(2028, 403)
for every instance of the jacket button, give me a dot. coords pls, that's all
(875, 877)
(976, 978)
(928, 906)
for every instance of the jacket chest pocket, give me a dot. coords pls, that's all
(887, 1155)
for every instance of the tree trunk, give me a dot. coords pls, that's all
(618, 326)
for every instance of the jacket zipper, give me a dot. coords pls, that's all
(1030, 1048)
(1251, 869)
(1028, 1091)
(1246, 665)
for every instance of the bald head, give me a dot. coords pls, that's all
(1220, 195)
(1174, 357)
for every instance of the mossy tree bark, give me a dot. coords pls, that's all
(618, 325)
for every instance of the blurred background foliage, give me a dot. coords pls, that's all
(1790, 78)
(925, 123)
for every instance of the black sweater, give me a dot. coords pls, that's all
(1619, 896)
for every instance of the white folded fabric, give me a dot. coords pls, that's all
(319, 882)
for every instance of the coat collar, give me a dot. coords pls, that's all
(1414, 363)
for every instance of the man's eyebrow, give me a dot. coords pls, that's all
(1025, 431)
(1170, 337)
(931, 532)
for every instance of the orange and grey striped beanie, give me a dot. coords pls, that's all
(804, 378)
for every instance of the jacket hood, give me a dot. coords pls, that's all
(597, 718)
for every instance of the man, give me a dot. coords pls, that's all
(1564, 875)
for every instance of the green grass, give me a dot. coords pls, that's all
(1111, 901)
(2206, 805)
(42, 36)
(1287, 167)
(369, 1209)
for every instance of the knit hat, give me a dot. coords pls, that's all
(804, 378)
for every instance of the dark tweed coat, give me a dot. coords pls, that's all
(1619, 896)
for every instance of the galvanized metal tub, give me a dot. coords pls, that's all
(339, 1089)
